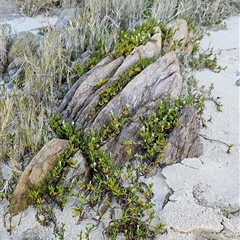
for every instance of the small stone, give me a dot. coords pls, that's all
(15, 69)
(237, 83)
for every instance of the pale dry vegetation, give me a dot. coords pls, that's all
(25, 109)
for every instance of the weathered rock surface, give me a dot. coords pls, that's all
(182, 37)
(155, 81)
(15, 69)
(37, 169)
(184, 141)
(140, 96)
(84, 96)
(180, 29)
(80, 171)
(86, 89)
(24, 45)
(93, 73)
(67, 15)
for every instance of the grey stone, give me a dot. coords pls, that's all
(63, 108)
(67, 15)
(24, 45)
(156, 81)
(180, 30)
(141, 95)
(78, 171)
(184, 141)
(82, 94)
(15, 69)
(182, 37)
(237, 83)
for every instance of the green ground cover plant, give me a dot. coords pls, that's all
(108, 181)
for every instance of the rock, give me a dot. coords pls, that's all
(182, 36)
(180, 30)
(184, 141)
(15, 69)
(86, 89)
(37, 169)
(83, 90)
(156, 81)
(79, 172)
(237, 83)
(140, 95)
(67, 15)
(71, 93)
(24, 45)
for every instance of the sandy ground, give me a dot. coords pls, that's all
(206, 189)
(205, 199)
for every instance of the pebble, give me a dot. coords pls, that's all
(237, 83)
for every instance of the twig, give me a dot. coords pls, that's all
(216, 140)
(210, 139)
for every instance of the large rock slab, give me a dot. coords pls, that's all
(156, 81)
(37, 170)
(82, 91)
(140, 95)
(84, 95)
(64, 106)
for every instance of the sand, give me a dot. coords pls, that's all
(205, 199)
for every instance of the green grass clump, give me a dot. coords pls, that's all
(126, 42)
